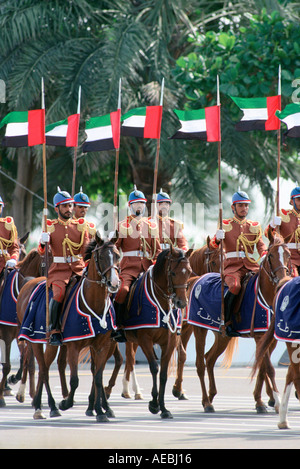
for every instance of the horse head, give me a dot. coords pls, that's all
(174, 268)
(276, 263)
(205, 259)
(104, 257)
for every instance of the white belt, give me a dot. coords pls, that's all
(67, 260)
(237, 254)
(165, 246)
(3, 253)
(293, 245)
(134, 253)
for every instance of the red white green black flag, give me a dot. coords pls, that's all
(24, 129)
(259, 113)
(200, 124)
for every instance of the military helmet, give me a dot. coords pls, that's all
(295, 193)
(163, 197)
(136, 196)
(81, 199)
(240, 197)
(62, 197)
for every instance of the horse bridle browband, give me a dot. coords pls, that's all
(272, 274)
(170, 285)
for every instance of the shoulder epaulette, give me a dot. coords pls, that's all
(51, 225)
(91, 228)
(227, 224)
(285, 215)
(254, 226)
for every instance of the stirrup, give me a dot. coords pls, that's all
(119, 335)
(55, 338)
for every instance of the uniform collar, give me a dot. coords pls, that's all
(64, 223)
(240, 222)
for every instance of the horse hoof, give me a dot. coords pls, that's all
(38, 415)
(179, 394)
(20, 398)
(102, 418)
(55, 413)
(63, 405)
(283, 425)
(89, 413)
(126, 395)
(154, 408)
(271, 403)
(8, 392)
(2, 403)
(166, 415)
(261, 409)
(209, 409)
(138, 397)
(110, 414)
(12, 379)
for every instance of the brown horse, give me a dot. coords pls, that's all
(202, 261)
(273, 269)
(30, 266)
(100, 280)
(166, 283)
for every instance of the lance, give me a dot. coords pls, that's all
(278, 145)
(76, 147)
(153, 205)
(115, 212)
(45, 213)
(222, 325)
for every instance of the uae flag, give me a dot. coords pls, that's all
(291, 117)
(24, 129)
(103, 133)
(200, 124)
(63, 133)
(259, 113)
(142, 122)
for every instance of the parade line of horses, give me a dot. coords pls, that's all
(177, 297)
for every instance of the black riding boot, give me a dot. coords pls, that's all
(229, 301)
(119, 334)
(54, 314)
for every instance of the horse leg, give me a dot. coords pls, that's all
(147, 347)
(62, 364)
(292, 378)
(200, 336)
(130, 350)
(73, 356)
(118, 363)
(219, 346)
(6, 367)
(28, 368)
(167, 351)
(186, 333)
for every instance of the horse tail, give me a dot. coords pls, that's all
(262, 346)
(229, 352)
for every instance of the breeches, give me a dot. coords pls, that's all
(59, 290)
(127, 280)
(234, 280)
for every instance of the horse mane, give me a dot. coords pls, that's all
(89, 249)
(161, 259)
(28, 258)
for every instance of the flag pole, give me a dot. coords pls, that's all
(115, 211)
(153, 205)
(278, 145)
(45, 213)
(75, 148)
(222, 325)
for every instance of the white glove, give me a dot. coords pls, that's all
(220, 234)
(45, 237)
(11, 263)
(276, 221)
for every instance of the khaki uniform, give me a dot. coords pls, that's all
(139, 243)
(171, 232)
(68, 241)
(9, 246)
(241, 238)
(290, 224)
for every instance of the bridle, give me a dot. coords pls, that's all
(103, 280)
(272, 272)
(207, 253)
(171, 287)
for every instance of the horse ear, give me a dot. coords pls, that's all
(189, 252)
(24, 238)
(114, 236)
(208, 241)
(98, 238)
(270, 234)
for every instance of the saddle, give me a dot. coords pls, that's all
(132, 292)
(239, 300)
(72, 283)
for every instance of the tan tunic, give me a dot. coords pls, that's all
(9, 247)
(171, 232)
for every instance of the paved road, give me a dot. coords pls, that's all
(235, 423)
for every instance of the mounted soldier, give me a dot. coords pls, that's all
(240, 237)
(9, 246)
(170, 230)
(139, 243)
(288, 223)
(68, 239)
(81, 206)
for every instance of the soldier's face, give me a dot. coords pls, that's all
(241, 210)
(164, 208)
(137, 208)
(297, 203)
(80, 211)
(64, 211)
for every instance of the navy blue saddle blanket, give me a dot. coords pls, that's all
(204, 306)
(287, 312)
(145, 312)
(78, 325)
(8, 311)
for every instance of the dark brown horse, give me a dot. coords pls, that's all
(166, 284)
(30, 266)
(100, 280)
(273, 269)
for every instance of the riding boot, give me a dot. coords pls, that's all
(119, 334)
(54, 314)
(229, 301)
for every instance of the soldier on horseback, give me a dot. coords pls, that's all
(170, 230)
(288, 223)
(81, 206)
(240, 236)
(68, 239)
(9, 247)
(139, 243)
